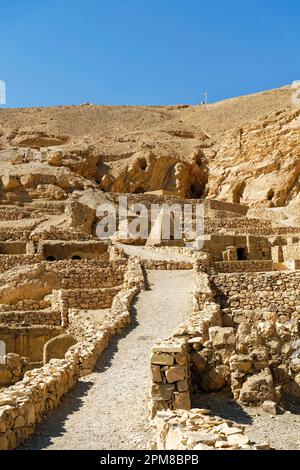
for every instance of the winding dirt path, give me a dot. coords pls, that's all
(109, 408)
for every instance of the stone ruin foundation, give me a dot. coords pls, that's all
(63, 299)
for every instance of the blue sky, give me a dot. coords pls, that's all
(55, 52)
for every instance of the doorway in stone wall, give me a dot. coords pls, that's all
(241, 254)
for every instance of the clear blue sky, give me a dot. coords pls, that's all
(55, 52)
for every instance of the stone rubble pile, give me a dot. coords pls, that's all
(258, 362)
(12, 368)
(198, 430)
(166, 265)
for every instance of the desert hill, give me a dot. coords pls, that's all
(243, 150)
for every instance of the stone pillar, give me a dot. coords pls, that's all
(30, 248)
(170, 376)
(277, 254)
(232, 253)
(60, 303)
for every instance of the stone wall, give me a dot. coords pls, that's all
(242, 266)
(170, 376)
(215, 205)
(85, 299)
(10, 261)
(13, 213)
(247, 226)
(163, 393)
(26, 304)
(48, 317)
(9, 234)
(177, 250)
(12, 368)
(260, 296)
(256, 357)
(24, 404)
(252, 354)
(59, 233)
(166, 265)
(87, 274)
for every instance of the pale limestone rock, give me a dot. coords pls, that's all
(269, 407)
(162, 359)
(222, 336)
(10, 182)
(162, 391)
(175, 373)
(156, 374)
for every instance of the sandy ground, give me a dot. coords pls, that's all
(108, 409)
(282, 431)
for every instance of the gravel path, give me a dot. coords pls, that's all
(108, 408)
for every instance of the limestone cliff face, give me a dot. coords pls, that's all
(258, 164)
(145, 172)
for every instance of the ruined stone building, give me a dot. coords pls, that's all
(66, 296)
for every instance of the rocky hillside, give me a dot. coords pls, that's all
(242, 150)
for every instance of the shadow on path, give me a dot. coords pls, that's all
(53, 422)
(222, 405)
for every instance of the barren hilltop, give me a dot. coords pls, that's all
(242, 150)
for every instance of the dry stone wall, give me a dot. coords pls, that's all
(166, 265)
(34, 317)
(10, 261)
(176, 352)
(261, 296)
(24, 404)
(242, 266)
(170, 376)
(176, 250)
(87, 274)
(85, 299)
(26, 304)
(244, 225)
(12, 368)
(256, 357)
